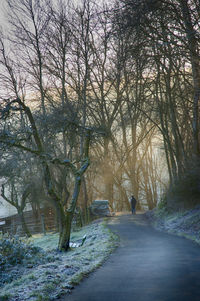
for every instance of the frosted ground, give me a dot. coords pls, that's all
(48, 281)
(184, 223)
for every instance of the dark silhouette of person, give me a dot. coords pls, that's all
(133, 204)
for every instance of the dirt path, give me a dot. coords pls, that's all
(148, 266)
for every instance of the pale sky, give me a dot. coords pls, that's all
(2, 12)
(2, 6)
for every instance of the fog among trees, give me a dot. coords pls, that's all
(99, 100)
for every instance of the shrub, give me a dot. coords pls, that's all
(5, 297)
(14, 250)
(185, 192)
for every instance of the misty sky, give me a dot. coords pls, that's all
(2, 12)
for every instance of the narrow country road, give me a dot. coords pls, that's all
(147, 266)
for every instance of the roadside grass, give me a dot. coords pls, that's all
(46, 242)
(50, 280)
(184, 223)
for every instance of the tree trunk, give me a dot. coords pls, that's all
(85, 200)
(24, 226)
(66, 218)
(65, 230)
(108, 177)
(193, 46)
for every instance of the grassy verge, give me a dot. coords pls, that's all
(57, 276)
(185, 223)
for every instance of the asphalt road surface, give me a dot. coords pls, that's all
(147, 266)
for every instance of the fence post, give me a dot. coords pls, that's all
(43, 224)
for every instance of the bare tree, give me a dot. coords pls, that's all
(35, 138)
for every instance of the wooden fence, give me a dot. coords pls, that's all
(46, 221)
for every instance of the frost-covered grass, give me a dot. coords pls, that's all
(46, 242)
(184, 223)
(48, 281)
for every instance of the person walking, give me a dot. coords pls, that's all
(133, 204)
